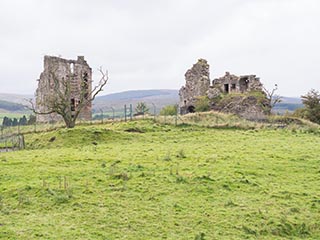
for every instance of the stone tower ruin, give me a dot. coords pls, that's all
(76, 72)
(198, 85)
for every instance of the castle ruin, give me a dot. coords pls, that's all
(58, 72)
(198, 85)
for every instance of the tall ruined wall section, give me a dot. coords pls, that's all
(76, 72)
(197, 84)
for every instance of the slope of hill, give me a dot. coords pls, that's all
(291, 100)
(160, 98)
(15, 98)
(288, 104)
(11, 106)
(138, 94)
(143, 180)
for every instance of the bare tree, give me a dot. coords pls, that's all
(272, 97)
(141, 108)
(59, 100)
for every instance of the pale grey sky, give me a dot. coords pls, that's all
(149, 44)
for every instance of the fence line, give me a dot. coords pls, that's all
(126, 113)
(12, 143)
(111, 114)
(105, 115)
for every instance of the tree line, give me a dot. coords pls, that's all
(22, 121)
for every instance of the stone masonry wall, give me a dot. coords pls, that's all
(238, 84)
(75, 71)
(197, 84)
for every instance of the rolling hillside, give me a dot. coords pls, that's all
(15, 98)
(11, 106)
(144, 180)
(160, 98)
(288, 104)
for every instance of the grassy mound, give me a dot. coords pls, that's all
(214, 119)
(77, 137)
(143, 180)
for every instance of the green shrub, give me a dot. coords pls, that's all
(202, 104)
(311, 101)
(169, 110)
(300, 113)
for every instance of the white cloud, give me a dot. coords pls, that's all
(150, 44)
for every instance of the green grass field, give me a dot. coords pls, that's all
(143, 180)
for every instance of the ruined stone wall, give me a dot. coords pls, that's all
(59, 69)
(230, 83)
(197, 84)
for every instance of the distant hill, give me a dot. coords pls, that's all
(13, 103)
(159, 98)
(6, 106)
(291, 100)
(164, 97)
(288, 104)
(15, 98)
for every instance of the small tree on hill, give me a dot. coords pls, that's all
(6, 122)
(141, 108)
(272, 97)
(311, 103)
(15, 122)
(32, 120)
(23, 121)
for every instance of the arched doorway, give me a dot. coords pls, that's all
(191, 109)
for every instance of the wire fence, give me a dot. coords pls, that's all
(12, 143)
(110, 114)
(9, 135)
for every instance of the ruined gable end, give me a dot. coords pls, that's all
(197, 84)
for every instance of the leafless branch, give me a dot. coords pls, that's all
(59, 99)
(32, 108)
(103, 81)
(272, 97)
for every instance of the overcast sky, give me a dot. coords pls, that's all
(150, 44)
